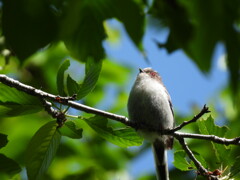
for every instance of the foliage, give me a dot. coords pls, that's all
(40, 35)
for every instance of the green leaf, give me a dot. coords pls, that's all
(199, 158)
(27, 26)
(181, 162)
(9, 94)
(208, 127)
(12, 109)
(70, 129)
(92, 72)
(41, 150)
(60, 77)
(130, 13)
(8, 166)
(3, 140)
(180, 28)
(72, 86)
(124, 137)
(85, 31)
(14, 102)
(235, 168)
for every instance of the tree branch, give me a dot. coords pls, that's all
(68, 101)
(62, 100)
(213, 138)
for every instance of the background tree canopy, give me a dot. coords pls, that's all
(36, 39)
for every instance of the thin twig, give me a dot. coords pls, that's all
(204, 110)
(213, 138)
(48, 107)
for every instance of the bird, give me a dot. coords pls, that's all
(150, 108)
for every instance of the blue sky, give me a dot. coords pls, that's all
(185, 83)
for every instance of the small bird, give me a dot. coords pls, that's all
(150, 107)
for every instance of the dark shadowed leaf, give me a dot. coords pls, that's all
(70, 129)
(3, 140)
(85, 31)
(180, 28)
(207, 31)
(92, 72)
(72, 86)
(131, 14)
(27, 26)
(41, 150)
(14, 102)
(60, 77)
(8, 166)
(124, 137)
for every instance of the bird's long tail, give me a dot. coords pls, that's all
(160, 156)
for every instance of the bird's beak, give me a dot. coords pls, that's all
(140, 70)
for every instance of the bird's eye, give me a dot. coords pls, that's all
(153, 74)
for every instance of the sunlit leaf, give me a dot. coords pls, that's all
(70, 129)
(235, 168)
(14, 102)
(208, 127)
(41, 150)
(124, 137)
(8, 166)
(199, 158)
(3, 140)
(60, 77)
(181, 162)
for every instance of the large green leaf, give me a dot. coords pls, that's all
(14, 102)
(174, 16)
(3, 140)
(28, 25)
(92, 72)
(124, 137)
(72, 86)
(60, 77)
(208, 127)
(8, 166)
(131, 14)
(70, 129)
(85, 31)
(41, 150)
(207, 30)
